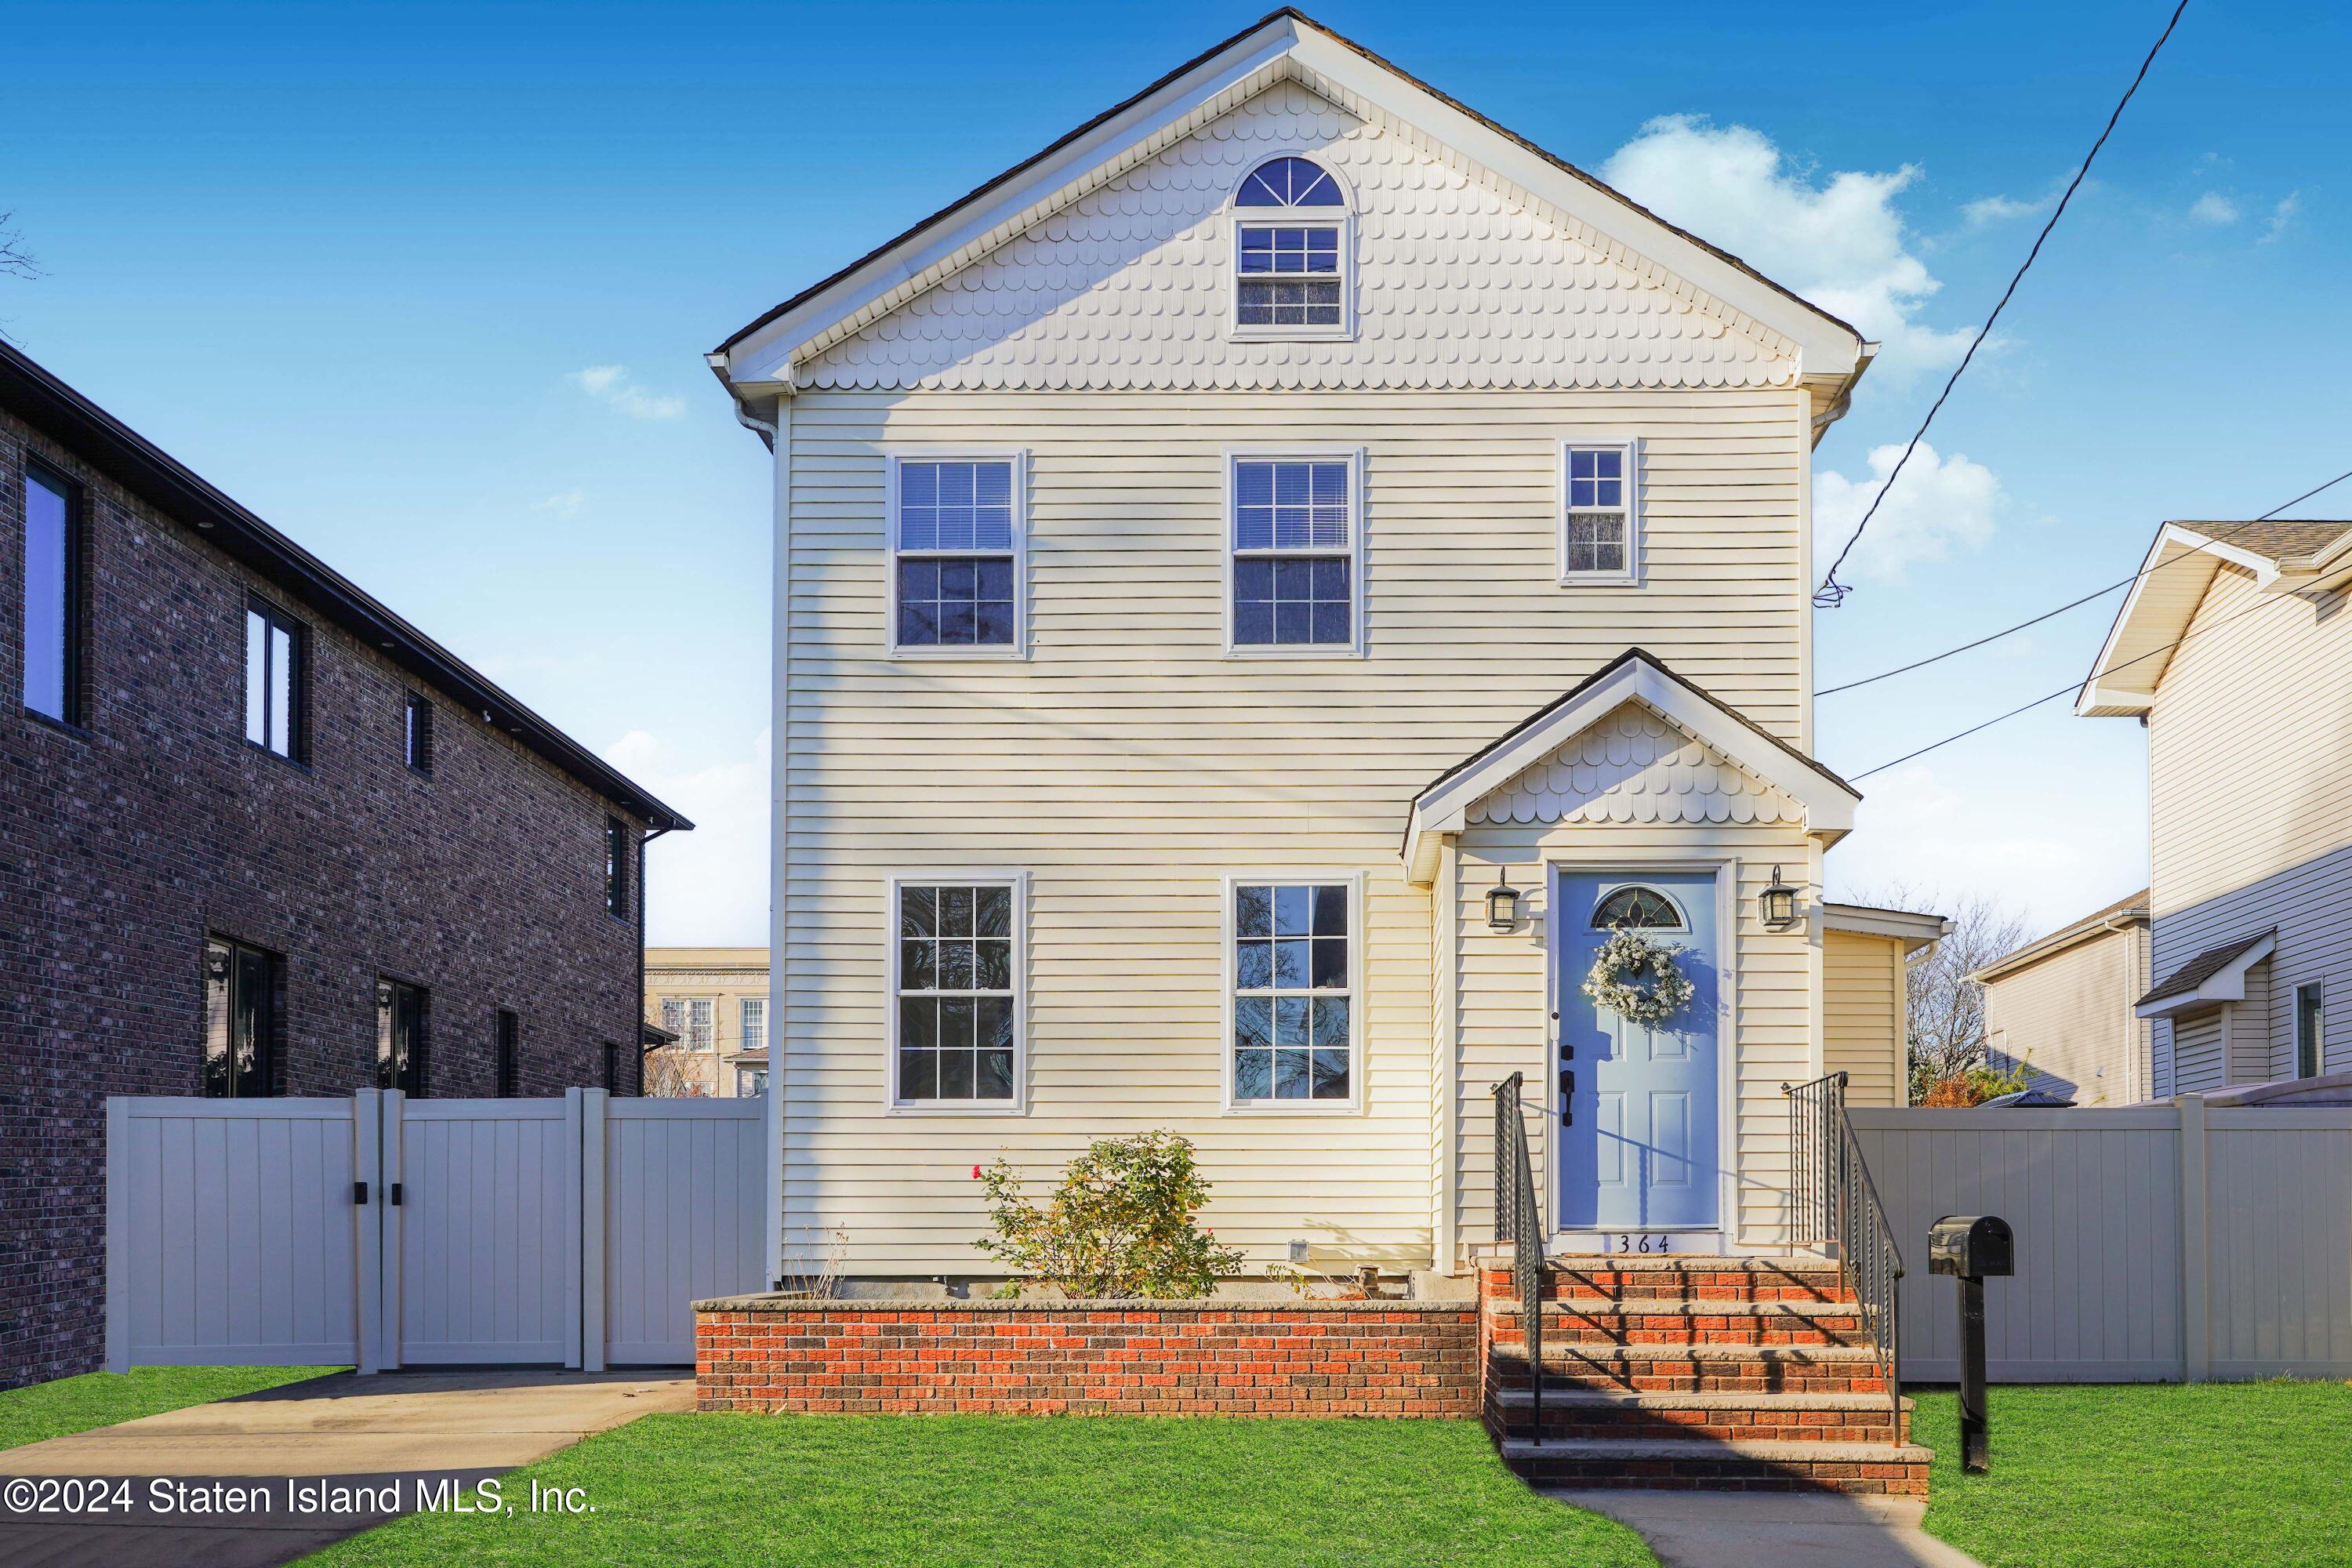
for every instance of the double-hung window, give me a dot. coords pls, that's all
(244, 1023)
(1600, 532)
(53, 614)
(509, 1062)
(956, 963)
(417, 734)
(955, 528)
(1297, 553)
(276, 654)
(1290, 252)
(754, 1014)
(2310, 1031)
(616, 868)
(1293, 993)
(401, 1054)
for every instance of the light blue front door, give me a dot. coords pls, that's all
(1638, 1149)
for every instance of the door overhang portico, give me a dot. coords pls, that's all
(1823, 804)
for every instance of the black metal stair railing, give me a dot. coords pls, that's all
(1833, 1201)
(1519, 1223)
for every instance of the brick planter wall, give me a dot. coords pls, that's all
(1160, 1358)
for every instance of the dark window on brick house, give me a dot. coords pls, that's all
(612, 1068)
(417, 737)
(276, 681)
(616, 868)
(53, 610)
(509, 1055)
(243, 1021)
(401, 1052)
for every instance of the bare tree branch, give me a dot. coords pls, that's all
(679, 1072)
(14, 259)
(1945, 1026)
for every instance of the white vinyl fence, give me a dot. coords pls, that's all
(2154, 1243)
(380, 1231)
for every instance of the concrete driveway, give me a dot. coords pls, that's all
(364, 1446)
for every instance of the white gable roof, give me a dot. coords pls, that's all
(1826, 800)
(2288, 556)
(1285, 45)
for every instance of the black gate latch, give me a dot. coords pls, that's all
(359, 1192)
(395, 1194)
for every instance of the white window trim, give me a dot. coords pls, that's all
(1356, 646)
(1358, 1049)
(1631, 576)
(743, 1006)
(967, 877)
(1341, 217)
(893, 457)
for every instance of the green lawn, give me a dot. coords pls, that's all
(994, 1491)
(103, 1398)
(2143, 1476)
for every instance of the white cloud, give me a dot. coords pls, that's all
(564, 503)
(610, 384)
(710, 886)
(2215, 208)
(2282, 216)
(1939, 504)
(2000, 209)
(2051, 857)
(1840, 244)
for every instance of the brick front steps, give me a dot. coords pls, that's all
(1746, 1373)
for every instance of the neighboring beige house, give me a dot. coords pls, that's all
(2065, 1006)
(715, 1001)
(1866, 955)
(1262, 586)
(2249, 723)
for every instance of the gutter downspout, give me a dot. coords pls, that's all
(638, 1027)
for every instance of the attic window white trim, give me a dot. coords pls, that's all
(1269, 245)
(1590, 502)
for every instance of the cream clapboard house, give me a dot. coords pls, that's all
(2064, 1007)
(1212, 557)
(2234, 648)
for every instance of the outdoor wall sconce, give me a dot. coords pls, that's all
(1779, 902)
(1502, 901)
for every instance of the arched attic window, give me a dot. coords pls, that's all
(1290, 252)
(1637, 909)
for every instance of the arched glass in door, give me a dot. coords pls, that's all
(1637, 907)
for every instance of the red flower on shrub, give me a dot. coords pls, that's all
(975, 1173)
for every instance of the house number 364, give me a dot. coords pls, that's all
(1644, 1244)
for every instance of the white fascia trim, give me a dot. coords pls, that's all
(2226, 984)
(1915, 931)
(2110, 692)
(1444, 808)
(766, 354)
(1827, 348)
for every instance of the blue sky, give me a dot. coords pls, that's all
(428, 285)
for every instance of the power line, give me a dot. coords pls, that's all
(2260, 605)
(2222, 537)
(1832, 593)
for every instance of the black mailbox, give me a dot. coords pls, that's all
(1977, 1246)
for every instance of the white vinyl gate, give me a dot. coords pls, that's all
(382, 1231)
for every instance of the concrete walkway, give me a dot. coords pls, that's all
(338, 1434)
(1774, 1530)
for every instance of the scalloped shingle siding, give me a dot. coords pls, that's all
(1125, 288)
(1633, 767)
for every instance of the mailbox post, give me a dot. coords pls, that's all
(1969, 1248)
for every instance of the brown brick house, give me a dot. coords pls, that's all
(258, 836)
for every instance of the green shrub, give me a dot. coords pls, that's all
(1120, 1223)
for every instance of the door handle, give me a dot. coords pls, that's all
(1567, 1096)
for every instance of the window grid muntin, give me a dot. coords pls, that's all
(955, 550)
(753, 1022)
(956, 992)
(1294, 998)
(1289, 182)
(1292, 537)
(1597, 486)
